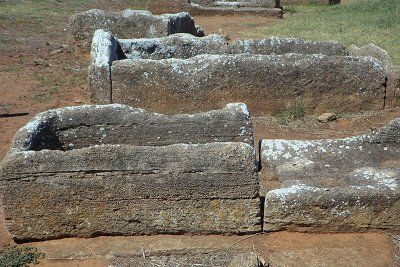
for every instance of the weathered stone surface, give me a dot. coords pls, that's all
(88, 218)
(70, 179)
(267, 83)
(174, 46)
(105, 49)
(392, 93)
(185, 46)
(279, 46)
(188, 258)
(349, 184)
(213, 170)
(129, 23)
(168, 189)
(237, 4)
(265, 8)
(296, 2)
(88, 125)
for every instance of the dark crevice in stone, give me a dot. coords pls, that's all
(385, 84)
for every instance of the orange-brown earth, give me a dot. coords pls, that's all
(40, 70)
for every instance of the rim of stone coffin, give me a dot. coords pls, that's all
(102, 54)
(22, 141)
(389, 133)
(235, 6)
(351, 52)
(127, 13)
(213, 37)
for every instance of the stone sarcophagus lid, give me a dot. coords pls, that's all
(115, 170)
(182, 73)
(334, 185)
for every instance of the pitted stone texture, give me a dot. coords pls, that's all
(83, 126)
(267, 83)
(188, 258)
(128, 190)
(129, 23)
(190, 170)
(392, 95)
(279, 46)
(334, 185)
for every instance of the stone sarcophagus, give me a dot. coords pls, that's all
(183, 73)
(130, 23)
(334, 185)
(115, 170)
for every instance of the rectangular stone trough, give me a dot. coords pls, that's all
(114, 170)
(334, 185)
(183, 73)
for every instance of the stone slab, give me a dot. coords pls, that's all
(51, 220)
(128, 190)
(334, 185)
(188, 258)
(267, 83)
(214, 170)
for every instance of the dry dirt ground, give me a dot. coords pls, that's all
(44, 71)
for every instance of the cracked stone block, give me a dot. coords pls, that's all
(129, 23)
(334, 185)
(183, 73)
(189, 258)
(115, 170)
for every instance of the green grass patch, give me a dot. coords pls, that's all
(13, 256)
(358, 22)
(293, 112)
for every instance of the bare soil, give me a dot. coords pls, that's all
(49, 71)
